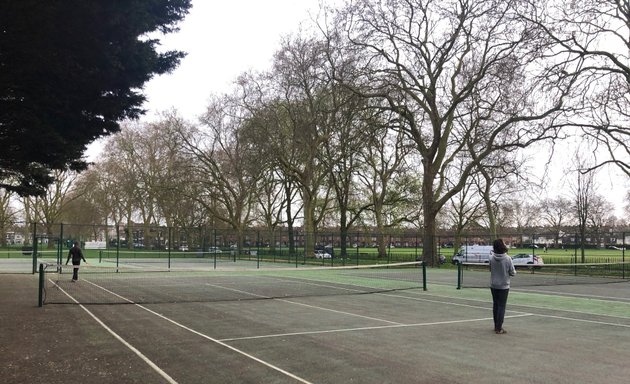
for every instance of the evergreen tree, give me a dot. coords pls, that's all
(70, 71)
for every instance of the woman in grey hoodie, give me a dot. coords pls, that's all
(501, 270)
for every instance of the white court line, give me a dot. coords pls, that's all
(533, 314)
(119, 338)
(394, 325)
(511, 310)
(340, 330)
(340, 312)
(584, 320)
(447, 303)
(305, 305)
(523, 313)
(278, 369)
(555, 293)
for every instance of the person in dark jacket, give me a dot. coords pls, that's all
(501, 270)
(76, 255)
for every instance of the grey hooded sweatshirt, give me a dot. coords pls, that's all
(501, 269)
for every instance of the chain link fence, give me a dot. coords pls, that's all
(26, 243)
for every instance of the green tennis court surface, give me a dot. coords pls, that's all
(476, 275)
(576, 333)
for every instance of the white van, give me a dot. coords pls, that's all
(473, 254)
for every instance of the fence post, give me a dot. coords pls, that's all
(533, 244)
(257, 249)
(170, 246)
(424, 276)
(281, 242)
(34, 248)
(356, 254)
(214, 244)
(623, 255)
(117, 245)
(575, 246)
(202, 240)
(60, 245)
(40, 301)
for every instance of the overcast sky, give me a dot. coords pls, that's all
(226, 38)
(223, 39)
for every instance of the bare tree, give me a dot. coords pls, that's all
(463, 209)
(139, 179)
(104, 181)
(292, 117)
(225, 169)
(597, 33)
(498, 179)
(556, 213)
(386, 179)
(164, 174)
(271, 203)
(343, 154)
(601, 213)
(270, 130)
(521, 212)
(118, 179)
(48, 208)
(8, 214)
(583, 192)
(436, 63)
(86, 208)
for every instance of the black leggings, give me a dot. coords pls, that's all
(75, 270)
(499, 302)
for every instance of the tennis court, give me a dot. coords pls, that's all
(350, 325)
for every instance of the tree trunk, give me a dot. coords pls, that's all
(380, 235)
(344, 234)
(492, 220)
(429, 213)
(309, 227)
(291, 236)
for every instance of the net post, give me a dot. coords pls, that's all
(459, 275)
(40, 300)
(424, 275)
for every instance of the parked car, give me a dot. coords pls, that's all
(214, 250)
(524, 259)
(320, 254)
(473, 254)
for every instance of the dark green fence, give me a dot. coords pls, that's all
(326, 247)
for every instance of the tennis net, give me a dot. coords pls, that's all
(477, 275)
(99, 285)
